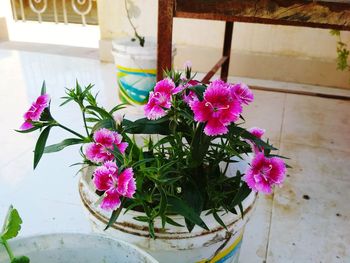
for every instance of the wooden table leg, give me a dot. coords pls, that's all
(165, 33)
(226, 50)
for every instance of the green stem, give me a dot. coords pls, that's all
(140, 38)
(85, 125)
(71, 131)
(225, 171)
(8, 249)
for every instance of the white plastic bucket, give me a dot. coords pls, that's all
(75, 248)
(136, 69)
(174, 244)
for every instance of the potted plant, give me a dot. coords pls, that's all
(136, 62)
(176, 183)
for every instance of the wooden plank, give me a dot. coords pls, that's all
(214, 69)
(322, 14)
(165, 34)
(226, 52)
(300, 92)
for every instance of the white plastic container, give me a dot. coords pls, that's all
(174, 244)
(136, 69)
(75, 248)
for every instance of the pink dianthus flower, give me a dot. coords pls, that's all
(265, 172)
(190, 96)
(105, 140)
(160, 99)
(257, 132)
(35, 111)
(242, 92)
(108, 179)
(218, 108)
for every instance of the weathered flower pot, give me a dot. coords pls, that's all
(136, 69)
(74, 248)
(174, 244)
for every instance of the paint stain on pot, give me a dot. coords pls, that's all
(217, 238)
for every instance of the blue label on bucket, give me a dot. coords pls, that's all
(135, 84)
(228, 254)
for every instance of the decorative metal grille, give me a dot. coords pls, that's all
(59, 11)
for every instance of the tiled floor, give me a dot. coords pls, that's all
(307, 220)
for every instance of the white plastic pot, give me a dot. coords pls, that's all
(75, 248)
(174, 244)
(136, 69)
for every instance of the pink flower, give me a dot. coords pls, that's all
(264, 173)
(35, 111)
(105, 140)
(191, 96)
(242, 92)
(218, 108)
(160, 99)
(107, 179)
(165, 86)
(257, 132)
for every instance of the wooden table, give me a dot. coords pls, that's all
(331, 14)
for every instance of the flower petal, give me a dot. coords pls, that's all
(104, 137)
(165, 86)
(152, 109)
(215, 127)
(257, 132)
(26, 125)
(102, 179)
(111, 201)
(43, 100)
(93, 152)
(126, 179)
(122, 147)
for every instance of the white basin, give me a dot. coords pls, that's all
(75, 248)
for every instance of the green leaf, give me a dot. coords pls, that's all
(145, 126)
(12, 224)
(114, 216)
(66, 101)
(43, 88)
(162, 205)
(141, 162)
(105, 123)
(118, 107)
(60, 146)
(247, 135)
(151, 229)
(102, 112)
(193, 198)
(172, 222)
(29, 130)
(21, 259)
(92, 119)
(199, 146)
(242, 193)
(141, 218)
(77, 87)
(40, 145)
(219, 220)
(180, 207)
